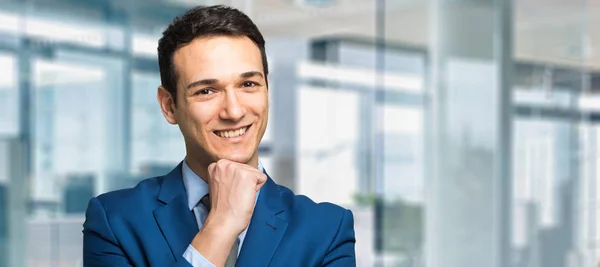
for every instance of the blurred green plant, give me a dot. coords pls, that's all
(362, 199)
(402, 224)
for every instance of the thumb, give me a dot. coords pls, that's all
(260, 181)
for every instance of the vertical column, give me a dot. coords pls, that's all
(16, 151)
(283, 81)
(469, 189)
(583, 172)
(117, 100)
(4, 207)
(16, 166)
(126, 80)
(118, 122)
(17, 201)
(377, 141)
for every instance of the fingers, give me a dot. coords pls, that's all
(225, 166)
(211, 168)
(222, 166)
(236, 173)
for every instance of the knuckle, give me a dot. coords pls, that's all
(221, 164)
(211, 169)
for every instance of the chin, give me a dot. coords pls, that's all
(240, 158)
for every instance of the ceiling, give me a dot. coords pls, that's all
(555, 32)
(549, 32)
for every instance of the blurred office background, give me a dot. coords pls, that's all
(461, 133)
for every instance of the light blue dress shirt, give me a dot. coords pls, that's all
(196, 188)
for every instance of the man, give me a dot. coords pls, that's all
(218, 207)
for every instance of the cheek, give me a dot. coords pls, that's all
(200, 116)
(260, 104)
(264, 112)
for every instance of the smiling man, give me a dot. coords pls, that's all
(218, 207)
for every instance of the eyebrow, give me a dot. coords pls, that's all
(248, 74)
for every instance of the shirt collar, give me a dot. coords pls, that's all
(195, 187)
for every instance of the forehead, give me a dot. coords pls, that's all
(217, 57)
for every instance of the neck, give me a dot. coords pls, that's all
(198, 168)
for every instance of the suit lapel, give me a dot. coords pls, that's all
(266, 229)
(176, 222)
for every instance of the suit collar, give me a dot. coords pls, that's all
(267, 227)
(176, 222)
(172, 185)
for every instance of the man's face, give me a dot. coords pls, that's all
(222, 99)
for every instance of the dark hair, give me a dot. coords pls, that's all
(203, 21)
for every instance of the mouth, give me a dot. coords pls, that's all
(233, 133)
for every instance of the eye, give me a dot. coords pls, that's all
(203, 92)
(249, 84)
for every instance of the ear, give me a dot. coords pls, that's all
(167, 104)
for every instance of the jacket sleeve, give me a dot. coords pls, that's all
(100, 246)
(341, 251)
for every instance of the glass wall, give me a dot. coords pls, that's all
(460, 133)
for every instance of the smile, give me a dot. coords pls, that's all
(232, 133)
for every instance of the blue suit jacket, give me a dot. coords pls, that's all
(151, 225)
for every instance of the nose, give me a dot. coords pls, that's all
(233, 109)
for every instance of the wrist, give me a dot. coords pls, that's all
(218, 228)
(214, 242)
(226, 226)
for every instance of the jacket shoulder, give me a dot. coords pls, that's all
(124, 199)
(302, 206)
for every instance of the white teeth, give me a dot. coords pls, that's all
(231, 134)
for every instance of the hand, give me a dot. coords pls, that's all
(233, 188)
